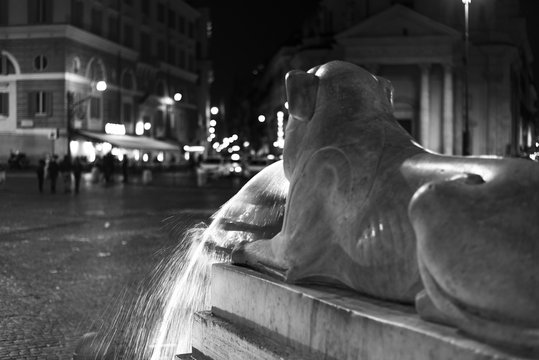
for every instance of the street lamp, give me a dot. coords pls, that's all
(466, 127)
(72, 105)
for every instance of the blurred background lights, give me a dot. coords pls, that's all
(213, 122)
(178, 96)
(147, 126)
(139, 128)
(214, 110)
(261, 118)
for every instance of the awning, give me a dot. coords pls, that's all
(129, 141)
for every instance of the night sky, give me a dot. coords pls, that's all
(248, 32)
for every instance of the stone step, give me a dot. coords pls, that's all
(218, 339)
(333, 323)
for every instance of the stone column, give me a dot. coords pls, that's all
(424, 108)
(448, 116)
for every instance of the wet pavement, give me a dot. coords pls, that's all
(65, 258)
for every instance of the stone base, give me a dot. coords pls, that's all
(256, 317)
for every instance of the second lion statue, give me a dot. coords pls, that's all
(370, 209)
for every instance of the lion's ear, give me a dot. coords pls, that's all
(301, 90)
(387, 88)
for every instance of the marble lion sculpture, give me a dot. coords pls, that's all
(368, 208)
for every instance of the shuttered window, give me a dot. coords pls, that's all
(4, 104)
(40, 11)
(40, 103)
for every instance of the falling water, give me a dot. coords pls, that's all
(157, 325)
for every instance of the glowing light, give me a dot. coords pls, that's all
(235, 157)
(160, 156)
(236, 148)
(116, 152)
(74, 147)
(246, 143)
(237, 169)
(147, 126)
(261, 118)
(211, 130)
(107, 147)
(139, 128)
(213, 122)
(214, 110)
(280, 114)
(271, 157)
(101, 86)
(145, 157)
(215, 145)
(177, 96)
(194, 148)
(136, 155)
(115, 129)
(286, 105)
(234, 137)
(167, 100)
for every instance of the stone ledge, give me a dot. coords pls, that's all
(335, 323)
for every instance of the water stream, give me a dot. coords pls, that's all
(157, 324)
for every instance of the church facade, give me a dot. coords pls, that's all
(420, 47)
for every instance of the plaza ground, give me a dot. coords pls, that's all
(65, 258)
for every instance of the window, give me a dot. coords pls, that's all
(97, 21)
(171, 19)
(161, 12)
(77, 17)
(161, 50)
(171, 55)
(191, 30)
(128, 35)
(181, 24)
(40, 11)
(113, 28)
(4, 11)
(4, 104)
(95, 107)
(40, 103)
(127, 81)
(145, 41)
(145, 7)
(40, 62)
(6, 66)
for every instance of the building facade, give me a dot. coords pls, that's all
(419, 46)
(152, 55)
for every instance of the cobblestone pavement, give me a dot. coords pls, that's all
(65, 258)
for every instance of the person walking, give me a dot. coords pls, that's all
(52, 171)
(65, 169)
(40, 171)
(77, 173)
(125, 168)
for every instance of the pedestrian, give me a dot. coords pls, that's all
(108, 167)
(125, 166)
(65, 169)
(77, 173)
(52, 171)
(40, 171)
